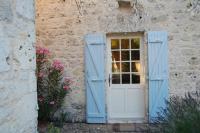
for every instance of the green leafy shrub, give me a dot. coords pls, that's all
(181, 116)
(52, 86)
(52, 129)
(60, 120)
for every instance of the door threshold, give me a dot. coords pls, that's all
(125, 120)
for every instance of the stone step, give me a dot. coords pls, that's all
(133, 127)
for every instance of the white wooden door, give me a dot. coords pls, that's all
(125, 86)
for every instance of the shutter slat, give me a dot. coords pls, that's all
(158, 72)
(94, 78)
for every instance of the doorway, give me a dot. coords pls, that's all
(125, 86)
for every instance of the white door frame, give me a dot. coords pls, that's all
(142, 78)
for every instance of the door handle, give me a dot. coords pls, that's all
(109, 80)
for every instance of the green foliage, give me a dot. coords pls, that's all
(52, 129)
(52, 86)
(181, 116)
(59, 121)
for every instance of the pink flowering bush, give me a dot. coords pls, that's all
(57, 65)
(51, 84)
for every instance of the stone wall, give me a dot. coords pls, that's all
(62, 24)
(18, 95)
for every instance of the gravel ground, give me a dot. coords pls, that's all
(99, 128)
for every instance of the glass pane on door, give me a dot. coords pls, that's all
(116, 67)
(135, 79)
(125, 78)
(135, 67)
(115, 44)
(125, 55)
(135, 55)
(135, 43)
(115, 55)
(125, 44)
(116, 79)
(125, 67)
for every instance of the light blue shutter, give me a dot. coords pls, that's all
(158, 72)
(94, 76)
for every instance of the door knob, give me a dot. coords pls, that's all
(109, 80)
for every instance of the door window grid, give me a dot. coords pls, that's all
(132, 75)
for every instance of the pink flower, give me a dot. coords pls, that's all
(40, 74)
(41, 50)
(65, 87)
(52, 103)
(40, 98)
(57, 65)
(67, 80)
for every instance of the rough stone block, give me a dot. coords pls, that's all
(18, 106)
(5, 10)
(161, 18)
(4, 51)
(4, 56)
(24, 53)
(25, 8)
